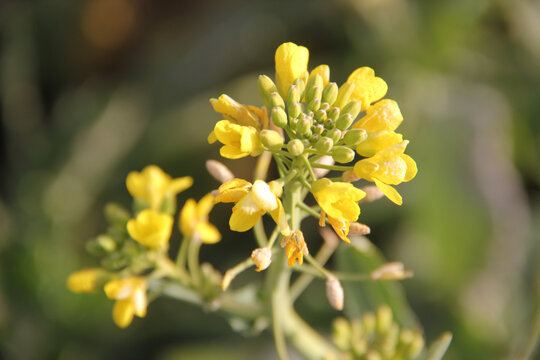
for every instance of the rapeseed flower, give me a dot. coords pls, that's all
(130, 296)
(238, 140)
(295, 247)
(153, 185)
(150, 228)
(252, 202)
(194, 220)
(388, 167)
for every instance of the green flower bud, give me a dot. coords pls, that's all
(314, 104)
(315, 138)
(389, 341)
(384, 319)
(318, 129)
(279, 118)
(293, 95)
(359, 346)
(333, 113)
(294, 123)
(324, 106)
(101, 245)
(341, 334)
(266, 87)
(355, 136)
(330, 93)
(344, 121)
(301, 85)
(353, 108)
(329, 124)
(304, 125)
(276, 100)
(334, 134)
(295, 147)
(344, 94)
(295, 109)
(314, 81)
(417, 344)
(313, 93)
(324, 144)
(271, 140)
(368, 323)
(320, 115)
(116, 215)
(342, 154)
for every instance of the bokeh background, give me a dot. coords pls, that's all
(90, 90)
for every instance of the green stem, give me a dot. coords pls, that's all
(281, 168)
(309, 210)
(193, 261)
(308, 166)
(182, 255)
(273, 237)
(332, 167)
(260, 234)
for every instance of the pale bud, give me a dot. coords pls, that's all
(356, 228)
(261, 257)
(219, 171)
(372, 193)
(334, 292)
(295, 147)
(391, 271)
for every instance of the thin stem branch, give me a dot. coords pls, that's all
(332, 167)
(309, 210)
(308, 166)
(260, 234)
(193, 261)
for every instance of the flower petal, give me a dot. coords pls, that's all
(389, 192)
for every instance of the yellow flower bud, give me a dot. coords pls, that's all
(86, 280)
(291, 64)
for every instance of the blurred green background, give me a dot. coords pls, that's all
(91, 90)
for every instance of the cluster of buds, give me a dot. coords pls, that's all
(375, 336)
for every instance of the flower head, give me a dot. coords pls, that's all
(150, 228)
(130, 296)
(238, 140)
(388, 167)
(295, 247)
(252, 202)
(291, 64)
(194, 220)
(153, 185)
(339, 201)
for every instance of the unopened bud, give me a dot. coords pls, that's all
(334, 134)
(304, 125)
(314, 104)
(344, 121)
(342, 154)
(324, 144)
(344, 94)
(372, 193)
(314, 87)
(389, 341)
(323, 160)
(350, 176)
(101, 245)
(279, 117)
(323, 71)
(368, 323)
(318, 129)
(391, 271)
(86, 280)
(293, 95)
(295, 147)
(320, 115)
(219, 171)
(334, 292)
(384, 319)
(261, 257)
(116, 215)
(341, 333)
(330, 93)
(301, 86)
(271, 140)
(416, 346)
(356, 228)
(276, 100)
(295, 109)
(325, 106)
(355, 136)
(353, 108)
(266, 87)
(333, 113)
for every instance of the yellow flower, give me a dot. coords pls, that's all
(194, 220)
(153, 185)
(130, 296)
(252, 202)
(367, 87)
(85, 280)
(291, 64)
(388, 167)
(239, 114)
(295, 247)
(339, 201)
(378, 141)
(384, 115)
(150, 228)
(239, 141)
